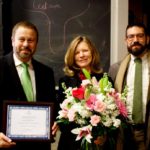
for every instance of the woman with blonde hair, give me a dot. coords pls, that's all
(80, 54)
(88, 50)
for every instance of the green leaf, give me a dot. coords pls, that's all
(103, 82)
(86, 73)
(87, 93)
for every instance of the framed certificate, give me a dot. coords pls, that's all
(27, 121)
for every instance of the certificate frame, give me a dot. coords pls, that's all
(28, 121)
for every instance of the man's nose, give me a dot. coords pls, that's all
(135, 38)
(25, 43)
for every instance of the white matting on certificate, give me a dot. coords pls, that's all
(28, 120)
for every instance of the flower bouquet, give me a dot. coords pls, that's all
(96, 108)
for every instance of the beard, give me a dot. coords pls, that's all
(138, 50)
(24, 53)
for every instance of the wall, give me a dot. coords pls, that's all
(112, 50)
(119, 21)
(58, 23)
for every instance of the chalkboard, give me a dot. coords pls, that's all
(59, 21)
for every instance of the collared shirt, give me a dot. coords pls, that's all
(130, 84)
(31, 72)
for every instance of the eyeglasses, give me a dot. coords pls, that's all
(139, 36)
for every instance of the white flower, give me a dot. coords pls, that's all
(71, 114)
(81, 110)
(116, 123)
(83, 132)
(111, 106)
(108, 121)
(100, 97)
(62, 114)
(85, 82)
(81, 121)
(65, 103)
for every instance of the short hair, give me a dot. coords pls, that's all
(27, 25)
(70, 66)
(138, 24)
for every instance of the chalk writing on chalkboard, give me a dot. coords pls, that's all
(59, 21)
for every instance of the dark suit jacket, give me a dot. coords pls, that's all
(11, 89)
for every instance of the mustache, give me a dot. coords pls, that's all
(25, 48)
(136, 44)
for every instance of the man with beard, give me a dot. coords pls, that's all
(135, 134)
(24, 42)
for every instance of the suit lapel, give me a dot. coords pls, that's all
(121, 73)
(16, 80)
(38, 78)
(148, 97)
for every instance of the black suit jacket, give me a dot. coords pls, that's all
(11, 89)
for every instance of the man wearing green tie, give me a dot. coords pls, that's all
(22, 78)
(134, 71)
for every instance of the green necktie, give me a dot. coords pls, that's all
(137, 113)
(26, 82)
